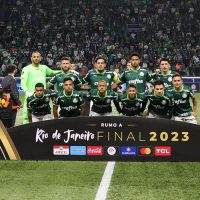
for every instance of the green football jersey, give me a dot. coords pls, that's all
(161, 105)
(31, 75)
(93, 77)
(101, 104)
(132, 107)
(40, 105)
(58, 80)
(167, 79)
(69, 104)
(182, 107)
(138, 77)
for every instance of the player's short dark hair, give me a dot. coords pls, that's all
(163, 59)
(132, 86)
(176, 75)
(134, 54)
(39, 85)
(67, 79)
(10, 68)
(159, 82)
(66, 58)
(100, 57)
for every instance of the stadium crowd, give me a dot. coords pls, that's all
(82, 29)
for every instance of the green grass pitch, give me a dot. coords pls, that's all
(70, 180)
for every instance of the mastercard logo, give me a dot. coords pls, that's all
(146, 151)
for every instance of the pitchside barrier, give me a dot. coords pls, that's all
(102, 139)
(192, 82)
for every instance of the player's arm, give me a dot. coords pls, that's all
(29, 109)
(51, 82)
(82, 105)
(30, 116)
(50, 72)
(194, 101)
(116, 102)
(24, 78)
(55, 111)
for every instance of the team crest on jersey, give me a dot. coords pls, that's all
(137, 104)
(75, 100)
(163, 102)
(109, 76)
(141, 73)
(108, 101)
(170, 79)
(47, 99)
(184, 95)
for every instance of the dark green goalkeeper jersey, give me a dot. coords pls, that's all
(166, 78)
(101, 104)
(93, 77)
(138, 77)
(40, 105)
(132, 107)
(182, 107)
(58, 80)
(161, 105)
(70, 105)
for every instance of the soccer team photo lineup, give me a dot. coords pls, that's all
(99, 99)
(133, 92)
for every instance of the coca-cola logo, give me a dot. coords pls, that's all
(94, 150)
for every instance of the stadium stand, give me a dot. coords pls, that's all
(82, 29)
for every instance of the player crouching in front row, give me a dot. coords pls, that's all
(182, 109)
(38, 104)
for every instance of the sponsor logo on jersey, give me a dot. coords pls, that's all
(162, 151)
(94, 150)
(60, 150)
(128, 151)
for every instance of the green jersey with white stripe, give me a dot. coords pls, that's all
(93, 77)
(40, 105)
(182, 107)
(58, 80)
(166, 78)
(70, 105)
(161, 105)
(101, 104)
(138, 77)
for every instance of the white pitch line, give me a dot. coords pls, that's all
(105, 182)
(3, 153)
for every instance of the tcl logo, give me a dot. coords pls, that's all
(162, 151)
